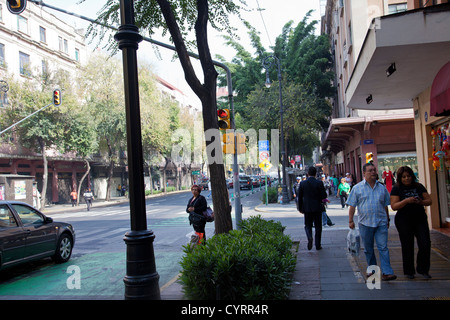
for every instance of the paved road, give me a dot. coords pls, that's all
(98, 262)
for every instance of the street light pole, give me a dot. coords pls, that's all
(267, 64)
(141, 279)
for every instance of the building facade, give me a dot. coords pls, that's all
(37, 42)
(388, 54)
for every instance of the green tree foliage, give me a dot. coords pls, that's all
(179, 19)
(306, 83)
(52, 128)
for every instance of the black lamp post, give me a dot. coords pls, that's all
(267, 63)
(141, 279)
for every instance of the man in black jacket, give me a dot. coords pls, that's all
(310, 194)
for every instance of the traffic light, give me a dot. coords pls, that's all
(16, 6)
(56, 97)
(224, 119)
(369, 157)
(228, 143)
(240, 140)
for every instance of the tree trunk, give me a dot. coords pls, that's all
(109, 180)
(206, 92)
(82, 179)
(45, 175)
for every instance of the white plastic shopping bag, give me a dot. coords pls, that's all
(353, 242)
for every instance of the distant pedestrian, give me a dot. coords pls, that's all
(209, 189)
(343, 190)
(372, 199)
(88, 197)
(310, 194)
(408, 198)
(73, 197)
(195, 207)
(295, 187)
(335, 184)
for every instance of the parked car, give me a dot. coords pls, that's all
(203, 183)
(26, 234)
(230, 183)
(245, 182)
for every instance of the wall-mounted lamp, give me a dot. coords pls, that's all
(390, 70)
(336, 129)
(369, 99)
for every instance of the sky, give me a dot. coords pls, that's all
(269, 22)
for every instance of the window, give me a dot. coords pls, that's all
(24, 64)
(60, 42)
(22, 24)
(1, 12)
(399, 7)
(42, 35)
(66, 46)
(28, 215)
(2, 55)
(77, 54)
(44, 68)
(7, 219)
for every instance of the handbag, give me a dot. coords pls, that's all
(196, 219)
(208, 214)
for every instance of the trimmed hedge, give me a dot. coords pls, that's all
(253, 263)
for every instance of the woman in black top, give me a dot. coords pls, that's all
(408, 198)
(195, 207)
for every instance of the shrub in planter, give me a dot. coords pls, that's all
(252, 263)
(272, 195)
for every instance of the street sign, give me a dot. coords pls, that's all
(263, 145)
(265, 165)
(263, 155)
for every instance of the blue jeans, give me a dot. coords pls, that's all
(380, 235)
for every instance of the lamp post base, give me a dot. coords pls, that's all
(141, 280)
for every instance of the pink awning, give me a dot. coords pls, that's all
(440, 93)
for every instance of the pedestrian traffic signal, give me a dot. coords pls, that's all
(16, 6)
(369, 157)
(240, 140)
(228, 143)
(224, 119)
(56, 97)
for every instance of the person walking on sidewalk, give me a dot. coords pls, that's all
(88, 197)
(310, 194)
(372, 199)
(342, 191)
(73, 197)
(408, 198)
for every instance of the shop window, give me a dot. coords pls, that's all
(396, 160)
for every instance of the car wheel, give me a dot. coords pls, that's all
(63, 249)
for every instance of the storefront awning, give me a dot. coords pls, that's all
(440, 93)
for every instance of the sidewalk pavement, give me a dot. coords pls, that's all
(333, 274)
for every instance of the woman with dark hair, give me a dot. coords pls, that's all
(408, 198)
(195, 207)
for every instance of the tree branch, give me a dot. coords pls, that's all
(172, 25)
